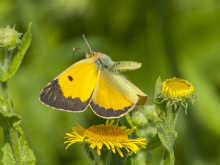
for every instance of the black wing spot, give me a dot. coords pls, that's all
(70, 78)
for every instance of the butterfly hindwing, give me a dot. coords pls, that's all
(112, 97)
(143, 98)
(73, 88)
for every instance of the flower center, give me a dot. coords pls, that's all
(177, 88)
(106, 133)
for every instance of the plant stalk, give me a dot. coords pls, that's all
(11, 129)
(173, 118)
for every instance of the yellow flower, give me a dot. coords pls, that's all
(112, 136)
(176, 90)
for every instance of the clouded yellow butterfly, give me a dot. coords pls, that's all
(94, 81)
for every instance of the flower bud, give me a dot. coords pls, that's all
(9, 37)
(177, 91)
(151, 132)
(151, 113)
(139, 119)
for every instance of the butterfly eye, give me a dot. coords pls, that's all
(89, 55)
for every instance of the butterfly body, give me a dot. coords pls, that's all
(94, 81)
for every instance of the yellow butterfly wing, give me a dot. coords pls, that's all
(114, 96)
(73, 88)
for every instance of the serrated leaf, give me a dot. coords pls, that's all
(158, 87)
(159, 106)
(4, 116)
(8, 155)
(166, 136)
(167, 139)
(27, 154)
(16, 61)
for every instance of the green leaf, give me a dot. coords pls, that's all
(28, 157)
(4, 116)
(158, 87)
(16, 61)
(159, 105)
(168, 158)
(153, 143)
(8, 155)
(167, 139)
(27, 154)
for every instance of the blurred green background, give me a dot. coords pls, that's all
(173, 38)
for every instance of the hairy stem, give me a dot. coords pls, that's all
(11, 129)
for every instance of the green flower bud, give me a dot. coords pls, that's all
(139, 119)
(151, 132)
(151, 113)
(9, 37)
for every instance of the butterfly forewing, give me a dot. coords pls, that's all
(73, 88)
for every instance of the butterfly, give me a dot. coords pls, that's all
(95, 81)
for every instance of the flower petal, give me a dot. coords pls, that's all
(107, 145)
(119, 151)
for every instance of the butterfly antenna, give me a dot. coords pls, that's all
(87, 43)
(74, 50)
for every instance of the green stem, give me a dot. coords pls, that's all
(165, 155)
(141, 157)
(86, 147)
(105, 157)
(173, 118)
(2, 63)
(11, 129)
(172, 123)
(6, 61)
(128, 118)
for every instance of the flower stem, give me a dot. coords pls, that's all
(172, 123)
(128, 118)
(165, 155)
(6, 61)
(105, 157)
(141, 157)
(11, 129)
(173, 118)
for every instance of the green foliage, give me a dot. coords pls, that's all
(15, 150)
(164, 129)
(167, 139)
(5, 116)
(27, 155)
(159, 105)
(17, 59)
